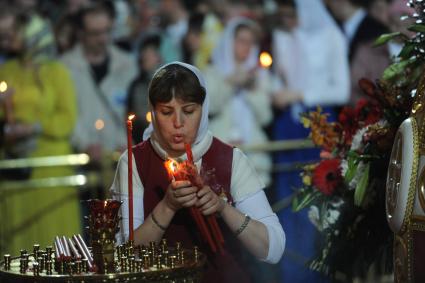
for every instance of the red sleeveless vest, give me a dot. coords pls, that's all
(217, 161)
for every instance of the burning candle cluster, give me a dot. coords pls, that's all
(187, 170)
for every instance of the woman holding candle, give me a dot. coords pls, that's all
(232, 190)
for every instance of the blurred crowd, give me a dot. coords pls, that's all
(74, 69)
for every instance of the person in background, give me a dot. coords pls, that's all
(146, 17)
(381, 56)
(192, 41)
(37, 28)
(137, 102)
(73, 6)
(9, 41)
(122, 29)
(357, 24)
(212, 28)
(174, 21)
(240, 91)
(64, 19)
(311, 64)
(103, 74)
(179, 104)
(38, 122)
(65, 34)
(378, 9)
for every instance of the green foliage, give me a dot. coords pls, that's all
(304, 198)
(361, 187)
(420, 28)
(386, 38)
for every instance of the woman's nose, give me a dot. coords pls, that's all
(178, 121)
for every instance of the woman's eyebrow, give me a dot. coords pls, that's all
(189, 104)
(165, 106)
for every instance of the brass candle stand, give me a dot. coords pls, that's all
(103, 225)
(156, 263)
(104, 262)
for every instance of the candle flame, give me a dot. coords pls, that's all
(3, 86)
(131, 117)
(266, 59)
(149, 117)
(99, 124)
(172, 166)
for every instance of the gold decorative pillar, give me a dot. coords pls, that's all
(405, 194)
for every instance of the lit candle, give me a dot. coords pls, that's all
(3, 86)
(182, 171)
(266, 59)
(171, 165)
(99, 125)
(7, 102)
(130, 176)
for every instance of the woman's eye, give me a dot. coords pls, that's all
(188, 110)
(166, 113)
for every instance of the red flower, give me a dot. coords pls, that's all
(348, 120)
(361, 105)
(327, 176)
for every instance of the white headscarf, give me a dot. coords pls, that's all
(203, 137)
(224, 55)
(223, 58)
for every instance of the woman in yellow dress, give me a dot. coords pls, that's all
(43, 106)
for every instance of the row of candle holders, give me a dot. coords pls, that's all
(154, 257)
(128, 259)
(103, 262)
(43, 261)
(156, 262)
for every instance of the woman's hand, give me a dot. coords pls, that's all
(180, 194)
(243, 79)
(285, 98)
(209, 202)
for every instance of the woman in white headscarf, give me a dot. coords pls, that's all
(179, 105)
(240, 91)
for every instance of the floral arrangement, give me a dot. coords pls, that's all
(345, 191)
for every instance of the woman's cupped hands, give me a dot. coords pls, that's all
(182, 194)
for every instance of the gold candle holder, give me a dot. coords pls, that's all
(103, 225)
